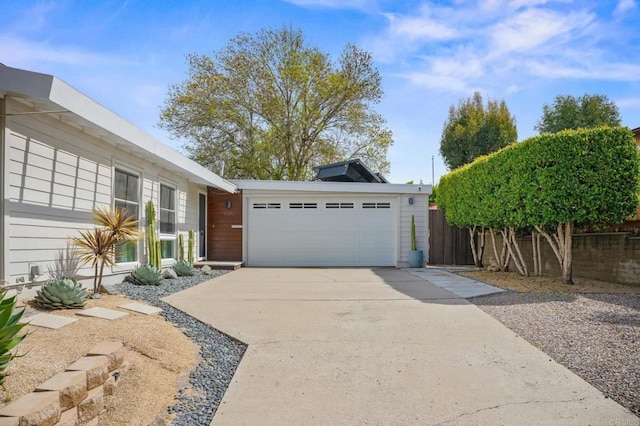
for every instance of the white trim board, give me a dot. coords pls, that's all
(48, 93)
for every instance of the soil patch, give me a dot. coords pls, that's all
(159, 355)
(516, 282)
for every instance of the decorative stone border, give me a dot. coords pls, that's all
(75, 396)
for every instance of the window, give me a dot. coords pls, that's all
(266, 205)
(376, 205)
(339, 205)
(127, 196)
(167, 221)
(303, 205)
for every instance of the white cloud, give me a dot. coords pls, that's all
(628, 103)
(534, 28)
(421, 27)
(21, 53)
(594, 71)
(624, 6)
(336, 4)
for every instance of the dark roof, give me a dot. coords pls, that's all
(347, 171)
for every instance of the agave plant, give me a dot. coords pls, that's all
(61, 293)
(146, 275)
(184, 268)
(9, 329)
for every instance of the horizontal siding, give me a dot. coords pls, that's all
(57, 175)
(419, 209)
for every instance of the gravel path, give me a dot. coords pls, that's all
(597, 336)
(219, 353)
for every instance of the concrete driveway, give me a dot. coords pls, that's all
(381, 347)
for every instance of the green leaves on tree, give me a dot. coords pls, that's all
(587, 112)
(269, 106)
(471, 130)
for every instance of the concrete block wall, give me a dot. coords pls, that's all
(72, 397)
(613, 257)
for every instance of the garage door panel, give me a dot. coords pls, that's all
(322, 236)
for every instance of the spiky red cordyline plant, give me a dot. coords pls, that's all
(118, 222)
(97, 246)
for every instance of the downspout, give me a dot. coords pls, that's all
(4, 182)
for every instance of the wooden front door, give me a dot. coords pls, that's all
(224, 223)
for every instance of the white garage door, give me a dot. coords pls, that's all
(321, 232)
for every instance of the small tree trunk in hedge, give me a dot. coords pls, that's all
(514, 242)
(535, 252)
(567, 267)
(481, 248)
(474, 251)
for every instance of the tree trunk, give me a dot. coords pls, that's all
(539, 254)
(535, 253)
(508, 237)
(476, 260)
(567, 269)
(516, 246)
(561, 244)
(481, 249)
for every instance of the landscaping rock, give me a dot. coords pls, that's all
(109, 387)
(92, 405)
(219, 353)
(36, 408)
(169, 274)
(114, 351)
(97, 368)
(68, 418)
(71, 386)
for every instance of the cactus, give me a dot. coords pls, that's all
(153, 245)
(9, 329)
(184, 269)
(146, 275)
(61, 293)
(180, 247)
(413, 234)
(192, 240)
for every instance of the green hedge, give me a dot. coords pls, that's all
(584, 177)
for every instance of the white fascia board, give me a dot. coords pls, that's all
(43, 87)
(333, 187)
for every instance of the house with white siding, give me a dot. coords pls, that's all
(63, 154)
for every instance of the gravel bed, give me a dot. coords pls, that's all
(597, 336)
(219, 353)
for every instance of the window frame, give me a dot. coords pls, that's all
(118, 168)
(164, 236)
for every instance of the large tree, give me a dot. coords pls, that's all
(569, 112)
(471, 130)
(269, 106)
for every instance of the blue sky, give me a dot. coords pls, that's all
(125, 54)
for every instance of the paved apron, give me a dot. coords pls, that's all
(381, 347)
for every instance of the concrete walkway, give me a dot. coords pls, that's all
(456, 284)
(381, 347)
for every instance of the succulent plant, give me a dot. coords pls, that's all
(146, 275)
(184, 268)
(61, 293)
(9, 329)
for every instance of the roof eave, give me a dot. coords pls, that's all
(48, 89)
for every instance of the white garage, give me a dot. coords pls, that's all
(331, 223)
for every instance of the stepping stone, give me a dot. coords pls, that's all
(103, 313)
(48, 320)
(141, 308)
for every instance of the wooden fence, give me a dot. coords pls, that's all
(448, 245)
